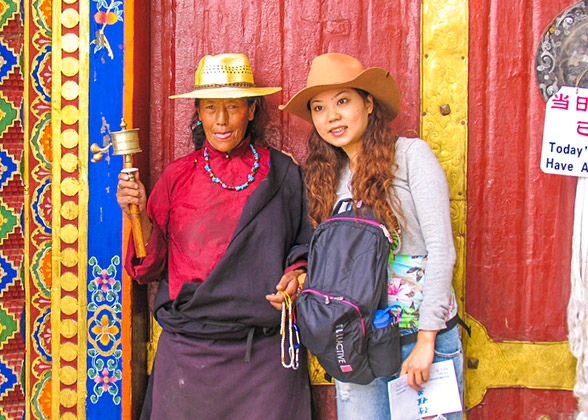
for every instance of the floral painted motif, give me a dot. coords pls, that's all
(104, 335)
(104, 287)
(41, 74)
(104, 380)
(41, 139)
(42, 12)
(105, 377)
(406, 280)
(111, 14)
(105, 330)
(105, 283)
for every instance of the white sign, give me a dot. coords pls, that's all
(440, 395)
(565, 134)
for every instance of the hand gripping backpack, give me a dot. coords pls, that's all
(346, 283)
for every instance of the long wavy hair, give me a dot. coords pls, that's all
(254, 128)
(373, 170)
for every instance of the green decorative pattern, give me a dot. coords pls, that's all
(8, 221)
(8, 326)
(7, 114)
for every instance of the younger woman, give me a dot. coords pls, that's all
(353, 153)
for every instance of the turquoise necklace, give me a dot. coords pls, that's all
(216, 180)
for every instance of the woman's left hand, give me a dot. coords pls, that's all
(417, 364)
(289, 284)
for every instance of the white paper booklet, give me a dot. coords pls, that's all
(440, 394)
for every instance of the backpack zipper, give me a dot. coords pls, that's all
(369, 221)
(329, 298)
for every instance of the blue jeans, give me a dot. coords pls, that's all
(370, 402)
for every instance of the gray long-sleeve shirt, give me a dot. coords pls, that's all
(420, 185)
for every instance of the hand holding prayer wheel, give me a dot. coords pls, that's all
(132, 198)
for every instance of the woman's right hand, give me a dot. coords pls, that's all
(130, 192)
(417, 364)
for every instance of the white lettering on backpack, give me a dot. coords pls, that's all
(339, 344)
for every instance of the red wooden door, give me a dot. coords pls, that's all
(519, 220)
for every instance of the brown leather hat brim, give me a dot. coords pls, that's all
(377, 81)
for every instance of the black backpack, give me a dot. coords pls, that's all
(346, 283)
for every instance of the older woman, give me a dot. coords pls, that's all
(225, 227)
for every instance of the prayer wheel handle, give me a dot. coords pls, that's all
(134, 215)
(126, 144)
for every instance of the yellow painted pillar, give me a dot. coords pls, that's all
(69, 119)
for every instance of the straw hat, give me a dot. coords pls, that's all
(330, 71)
(225, 76)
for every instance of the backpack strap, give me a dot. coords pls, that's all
(344, 202)
(412, 338)
(345, 205)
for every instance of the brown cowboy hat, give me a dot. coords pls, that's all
(329, 71)
(225, 76)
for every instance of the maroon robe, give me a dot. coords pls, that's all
(219, 354)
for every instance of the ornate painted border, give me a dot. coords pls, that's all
(106, 372)
(36, 170)
(70, 192)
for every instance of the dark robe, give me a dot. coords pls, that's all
(219, 354)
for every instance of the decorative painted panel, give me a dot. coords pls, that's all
(105, 306)
(86, 219)
(73, 241)
(37, 166)
(12, 294)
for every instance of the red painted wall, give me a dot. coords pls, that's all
(519, 222)
(281, 37)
